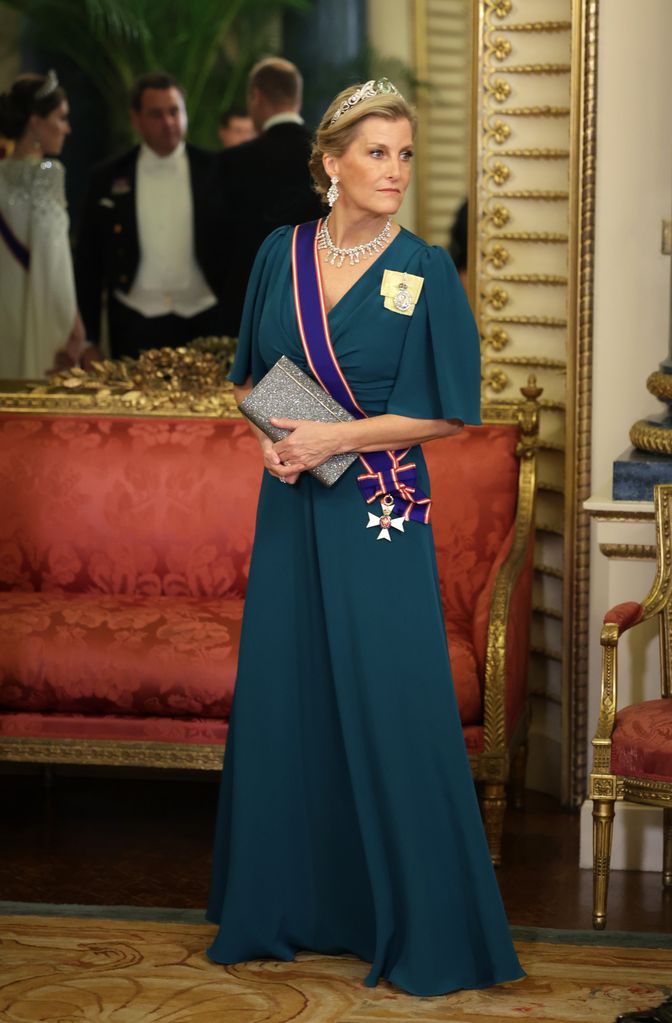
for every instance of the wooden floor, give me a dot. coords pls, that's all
(115, 840)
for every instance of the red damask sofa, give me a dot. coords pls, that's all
(124, 552)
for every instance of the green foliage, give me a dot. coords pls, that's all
(209, 45)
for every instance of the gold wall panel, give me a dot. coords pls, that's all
(530, 252)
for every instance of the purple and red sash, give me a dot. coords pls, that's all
(17, 248)
(384, 473)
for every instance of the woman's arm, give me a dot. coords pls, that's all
(309, 444)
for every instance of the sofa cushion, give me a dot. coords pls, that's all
(641, 745)
(93, 503)
(93, 654)
(474, 486)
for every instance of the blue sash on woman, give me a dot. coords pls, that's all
(385, 473)
(17, 248)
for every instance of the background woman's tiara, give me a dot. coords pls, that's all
(380, 87)
(49, 85)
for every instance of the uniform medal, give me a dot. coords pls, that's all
(385, 521)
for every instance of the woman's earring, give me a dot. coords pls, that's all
(333, 192)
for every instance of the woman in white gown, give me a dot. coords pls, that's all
(38, 304)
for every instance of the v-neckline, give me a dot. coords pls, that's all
(337, 305)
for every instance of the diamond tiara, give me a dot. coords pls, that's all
(49, 85)
(371, 89)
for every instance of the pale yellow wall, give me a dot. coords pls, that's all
(390, 29)
(634, 193)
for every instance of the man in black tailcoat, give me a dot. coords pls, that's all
(264, 183)
(146, 240)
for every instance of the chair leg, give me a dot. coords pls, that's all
(667, 848)
(494, 807)
(603, 826)
(517, 776)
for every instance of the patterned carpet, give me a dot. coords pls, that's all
(68, 969)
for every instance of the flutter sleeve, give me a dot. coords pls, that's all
(247, 361)
(439, 373)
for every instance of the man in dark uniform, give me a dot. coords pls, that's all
(146, 238)
(264, 183)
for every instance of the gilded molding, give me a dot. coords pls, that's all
(546, 237)
(539, 361)
(498, 203)
(536, 154)
(649, 437)
(496, 338)
(540, 194)
(543, 693)
(551, 488)
(539, 26)
(549, 612)
(660, 385)
(551, 445)
(629, 551)
(536, 69)
(583, 129)
(497, 381)
(541, 650)
(553, 280)
(547, 527)
(115, 754)
(528, 321)
(495, 660)
(496, 297)
(551, 570)
(547, 111)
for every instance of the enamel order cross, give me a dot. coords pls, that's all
(385, 521)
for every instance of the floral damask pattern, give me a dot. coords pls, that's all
(475, 492)
(642, 741)
(118, 655)
(109, 506)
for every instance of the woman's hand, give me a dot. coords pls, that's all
(273, 463)
(307, 444)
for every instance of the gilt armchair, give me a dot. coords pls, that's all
(632, 748)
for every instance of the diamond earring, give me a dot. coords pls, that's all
(333, 192)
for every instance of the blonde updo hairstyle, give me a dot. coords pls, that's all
(334, 139)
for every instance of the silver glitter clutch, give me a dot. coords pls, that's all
(286, 392)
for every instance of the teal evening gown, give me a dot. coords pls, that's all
(348, 819)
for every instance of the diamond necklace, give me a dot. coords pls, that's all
(337, 256)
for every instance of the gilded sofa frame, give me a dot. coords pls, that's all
(605, 786)
(77, 395)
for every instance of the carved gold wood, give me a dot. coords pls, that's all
(629, 551)
(605, 787)
(188, 756)
(189, 381)
(493, 765)
(650, 437)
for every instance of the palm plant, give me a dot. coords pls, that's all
(208, 45)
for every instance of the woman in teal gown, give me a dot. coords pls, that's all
(348, 820)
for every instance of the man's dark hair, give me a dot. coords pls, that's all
(152, 80)
(235, 111)
(279, 80)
